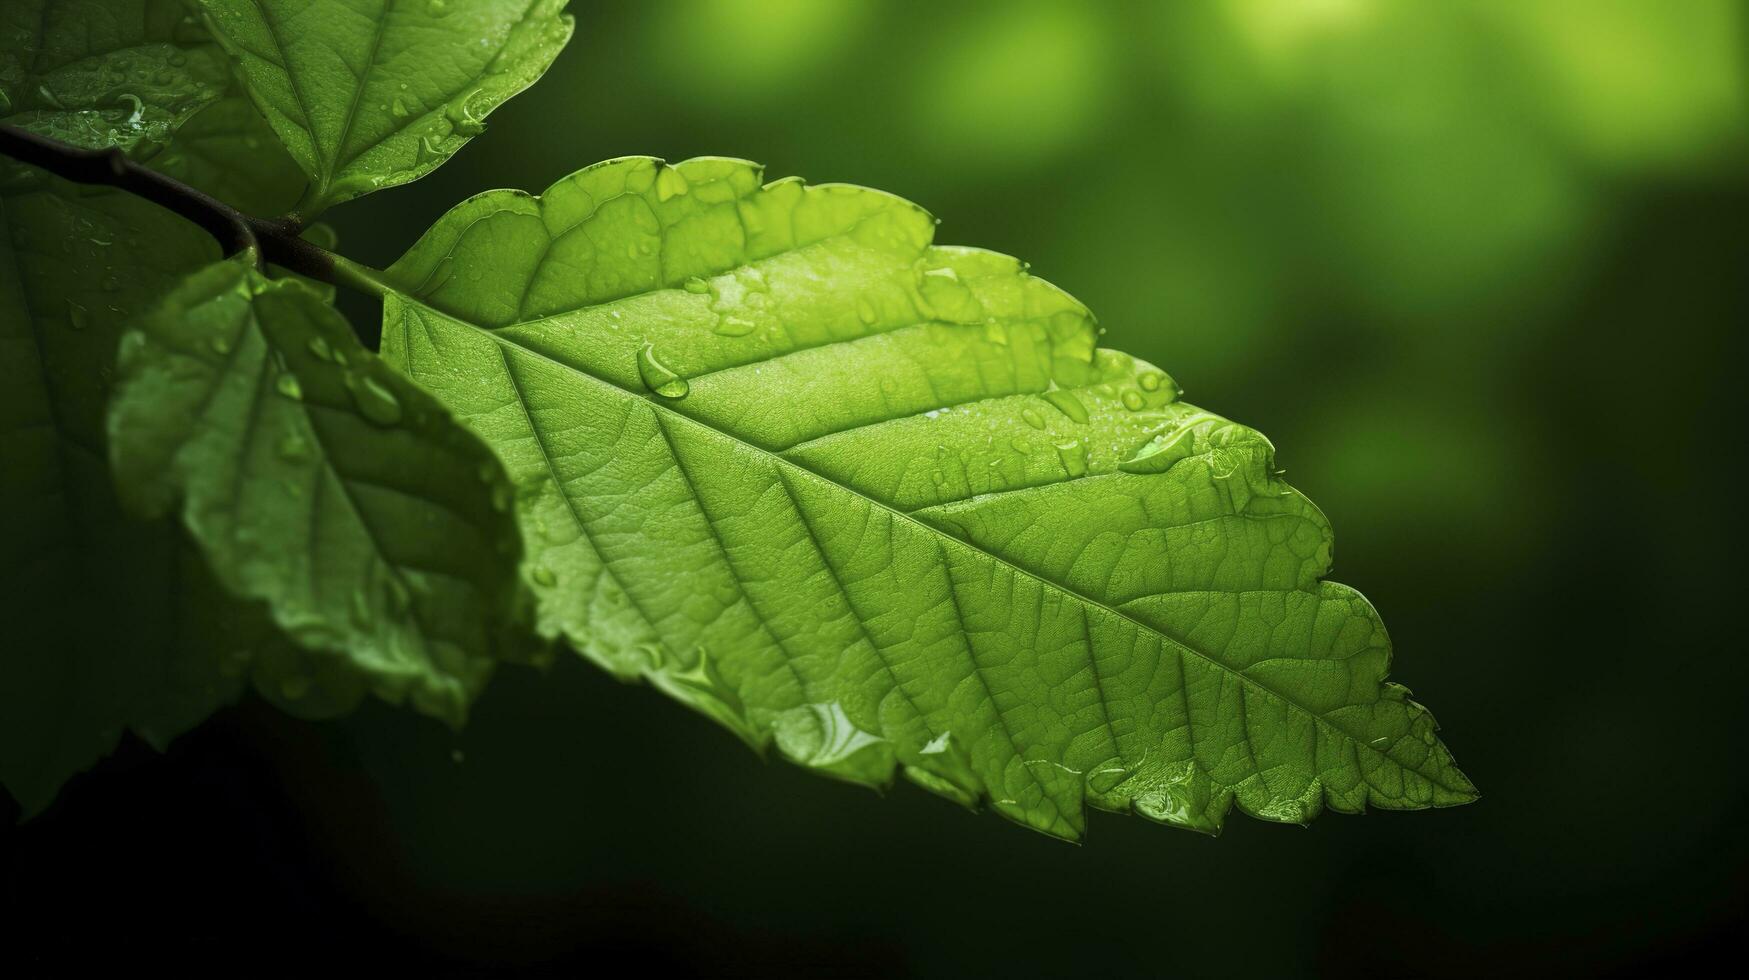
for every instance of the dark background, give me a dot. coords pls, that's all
(1479, 271)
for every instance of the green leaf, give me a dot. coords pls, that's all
(102, 612)
(145, 76)
(227, 150)
(318, 481)
(368, 94)
(112, 623)
(99, 73)
(887, 504)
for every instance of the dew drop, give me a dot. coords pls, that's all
(375, 402)
(670, 184)
(76, 316)
(220, 345)
(1149, 381)
(398, 598)
(1065, 401)
(1160, 452)
(436, 8)
(428, 151)
(1032, 418)
(461, 117)
(734, 326)
(399, 108)
(293, 448)
(658, 377)
(319, 347)
(544, 577)
(1133, 400)
(360, 609)
(865, 310)
(694, 284)
(1074, 457)
(287, 385)
(726, 593)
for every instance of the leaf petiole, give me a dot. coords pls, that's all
(274, 240)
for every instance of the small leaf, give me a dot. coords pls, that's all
(146, 78)
(321, 483)
(108, 621)
(125, 74)
(887, 504)
(374, 94)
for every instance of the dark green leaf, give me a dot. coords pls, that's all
(94, 602)
(318, 481)
(368, 94)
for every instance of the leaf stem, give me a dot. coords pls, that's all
(358, 276)
(276, 240)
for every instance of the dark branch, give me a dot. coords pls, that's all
(277, 241)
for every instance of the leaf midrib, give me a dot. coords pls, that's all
(943, 537)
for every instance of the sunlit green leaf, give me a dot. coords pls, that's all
(886, 504)
(368, 94)
(321, 483)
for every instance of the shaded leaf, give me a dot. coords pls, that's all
(886, 504)
(97, 605)
(321, 483)
(368, 94)
(114, 623)
(100, 73)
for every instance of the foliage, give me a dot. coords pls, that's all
(883, 503)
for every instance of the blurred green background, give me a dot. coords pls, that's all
(1480, 270)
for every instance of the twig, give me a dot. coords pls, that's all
(276, 241)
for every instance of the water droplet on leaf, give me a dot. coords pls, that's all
(670, 184)
(1074, 457)
(1065, 401)
(375, 401)
(734, 326)
(658, 377)
(293, 448)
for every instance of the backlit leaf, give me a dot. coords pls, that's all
(368, 94)
(887, 504)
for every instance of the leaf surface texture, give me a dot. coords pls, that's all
(886, 504)
(367, 94)
(317, 481)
